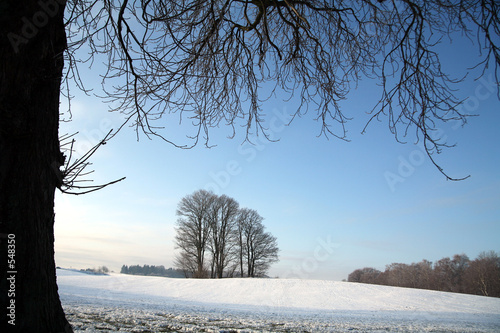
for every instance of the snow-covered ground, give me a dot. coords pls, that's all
(116, 302)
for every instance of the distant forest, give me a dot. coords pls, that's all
(459, 274)
(152, 271)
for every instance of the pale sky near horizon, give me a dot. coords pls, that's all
(334, 206)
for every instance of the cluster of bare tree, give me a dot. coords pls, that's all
(218, 239)
(460, 274)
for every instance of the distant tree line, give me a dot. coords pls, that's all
(459, 274)
(101, 270)
(216, 238)
(151, 271)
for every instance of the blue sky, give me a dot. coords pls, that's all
(334, 206)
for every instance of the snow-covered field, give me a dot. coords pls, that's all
(98, 303)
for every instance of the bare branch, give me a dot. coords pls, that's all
(215, 63)
(73, 170)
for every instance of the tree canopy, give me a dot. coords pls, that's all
(216, 62)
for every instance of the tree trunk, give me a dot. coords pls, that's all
(32, 42)
(241, 257)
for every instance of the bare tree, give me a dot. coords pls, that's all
(482, 276)
(265, 253)
(207, 61)
(193, 229)
(460, 264)
(222, 219)
(257, 248)
(422, 273)
(247, 222)
(398, 275)
(443, 275)
(243, 216)
(186, 262)
(365, 275)
(449, 273)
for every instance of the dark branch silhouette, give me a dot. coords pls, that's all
(216, 63)
(74, 170)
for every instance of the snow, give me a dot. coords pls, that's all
(100, 303)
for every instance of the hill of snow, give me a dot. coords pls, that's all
(96, 303)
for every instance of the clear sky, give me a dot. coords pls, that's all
(334, 206)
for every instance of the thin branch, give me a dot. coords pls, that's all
(73, 170)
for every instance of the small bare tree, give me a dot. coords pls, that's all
(264, 253)
(193, 230)
(443, 275)
(243, 219)
(257, 248)
(365, 275)
(222, 223)
(186, 262)
(482, 276)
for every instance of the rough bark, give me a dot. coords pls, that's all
(32, 43)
